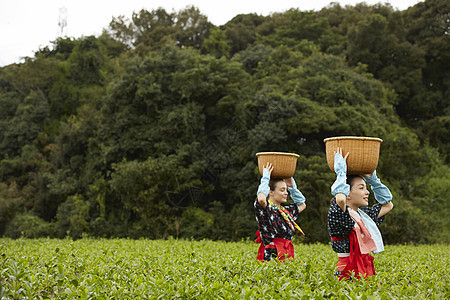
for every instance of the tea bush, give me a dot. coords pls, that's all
(180, 269)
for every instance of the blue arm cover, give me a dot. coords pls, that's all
(264, 185)
(295, 193)
(340, 186)
(381, 192)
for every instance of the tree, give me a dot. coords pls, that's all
(428, 27)
(87, 61)
(132, 135)
(192, 28)
(24, 126)
(216, 44)
(242, 31)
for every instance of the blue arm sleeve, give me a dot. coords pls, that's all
(381, 192)
(264, 184)
(340, 185)
(295, 193)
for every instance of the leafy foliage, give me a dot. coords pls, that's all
(130, 269)
(151, 129)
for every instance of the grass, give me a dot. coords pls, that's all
(179, 269)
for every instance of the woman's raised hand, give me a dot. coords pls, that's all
(339, 150)
(269, 167)
(340, 186)
(289, 182)
(340, 162)
(263, 188)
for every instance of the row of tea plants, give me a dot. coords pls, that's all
(182, 269)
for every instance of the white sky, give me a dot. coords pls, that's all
(27, 25)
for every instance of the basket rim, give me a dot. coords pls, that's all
(278, 153)
(352, 138)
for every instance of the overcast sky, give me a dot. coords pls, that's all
(28, 25)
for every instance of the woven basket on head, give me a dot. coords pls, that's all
(363, 153)
(284, 164)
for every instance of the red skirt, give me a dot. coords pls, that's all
(361, 268)
(285, 248)
(361, 265)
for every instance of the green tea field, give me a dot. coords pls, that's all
(179, 269)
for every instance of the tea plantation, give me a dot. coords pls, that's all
(180, 269)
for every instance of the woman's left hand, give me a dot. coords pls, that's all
(289, 182)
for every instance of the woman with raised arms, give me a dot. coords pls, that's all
(276, 222)
(352, 224)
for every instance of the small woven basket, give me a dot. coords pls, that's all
(363, 153)
(284, 164)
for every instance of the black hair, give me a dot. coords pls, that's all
(350, 182)
(273, 182)
(351, 178)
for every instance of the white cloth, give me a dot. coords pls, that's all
(374, 231)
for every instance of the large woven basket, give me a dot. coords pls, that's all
(363, 153)
(284, 164)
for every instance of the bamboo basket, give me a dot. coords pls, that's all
(364, 153)
(284, 164)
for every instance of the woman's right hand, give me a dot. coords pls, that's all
(263, 187)
(340, 161)
(340, 186)
(339, 150)
(269, 168)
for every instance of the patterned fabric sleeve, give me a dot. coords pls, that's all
(271, 223)
(293, 209)
(339, 222)
(265, 227)
(373, 212)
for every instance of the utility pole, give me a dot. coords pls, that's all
(62, 22)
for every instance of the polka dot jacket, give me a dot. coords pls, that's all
(271, 223)
(340, 224)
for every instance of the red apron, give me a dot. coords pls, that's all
(360, 264)
(284, 247)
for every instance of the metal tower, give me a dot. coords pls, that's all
(62, 22)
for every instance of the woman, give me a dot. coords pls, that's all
(352, 225)
(276, 223)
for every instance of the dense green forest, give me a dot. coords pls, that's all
(151, 129)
